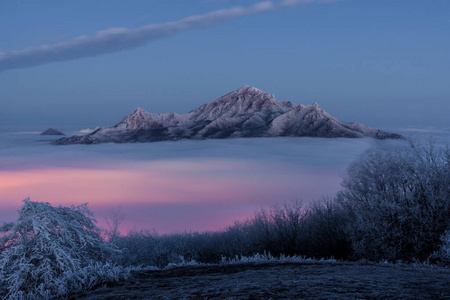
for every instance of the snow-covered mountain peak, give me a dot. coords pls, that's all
(317, 107)
(138, 118)
(139, 110)
(245, 112)
(139, 113)
(249, 94)
(249, 89)
(243, 101)
(253, 93)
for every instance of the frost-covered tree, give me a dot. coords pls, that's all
(113, 220)
(398, 202)
(444, 252)
(325, 230)
(51, 250)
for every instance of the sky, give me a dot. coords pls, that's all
(89, 63)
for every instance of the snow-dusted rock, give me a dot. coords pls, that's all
(246, 112)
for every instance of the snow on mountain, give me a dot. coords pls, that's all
(246, 112)
(141, 119)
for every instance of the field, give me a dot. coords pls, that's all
(304, 280)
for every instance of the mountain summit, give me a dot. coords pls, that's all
(245, 112)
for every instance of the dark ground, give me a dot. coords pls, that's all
(309, 280)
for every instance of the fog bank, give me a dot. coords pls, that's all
(173, 186)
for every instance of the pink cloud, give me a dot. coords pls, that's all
(169, 195)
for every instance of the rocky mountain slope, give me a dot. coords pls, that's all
(246, 112)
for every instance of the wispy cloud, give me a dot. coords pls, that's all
(27, 132)
(87, 130)
(119, 39)
(425, 130)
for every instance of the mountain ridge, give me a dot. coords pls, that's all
(245, 112)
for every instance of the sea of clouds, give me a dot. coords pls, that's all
(178, 186)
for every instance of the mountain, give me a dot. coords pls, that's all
(246, 112)
(51, 131)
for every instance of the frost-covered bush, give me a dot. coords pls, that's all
(444, 252)
(398, 202)
(53, 251)
(279, 230)
(150, 249)
(289, 229)
(317, 230)
(325, 231)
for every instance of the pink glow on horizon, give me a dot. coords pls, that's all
(169, 195)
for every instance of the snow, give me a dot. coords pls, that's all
(245, 112)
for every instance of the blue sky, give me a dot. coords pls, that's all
(383, 63)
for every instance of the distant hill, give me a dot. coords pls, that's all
(246, 112)
(52, 131)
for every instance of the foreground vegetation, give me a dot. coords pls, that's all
(54, 251)
(394, 206)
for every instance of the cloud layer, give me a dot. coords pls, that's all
(174, 186)
(118, 39)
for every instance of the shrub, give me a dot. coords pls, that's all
(326, 231)
(398, 202)
(289, 229)
(52, 251)
(443, 255)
